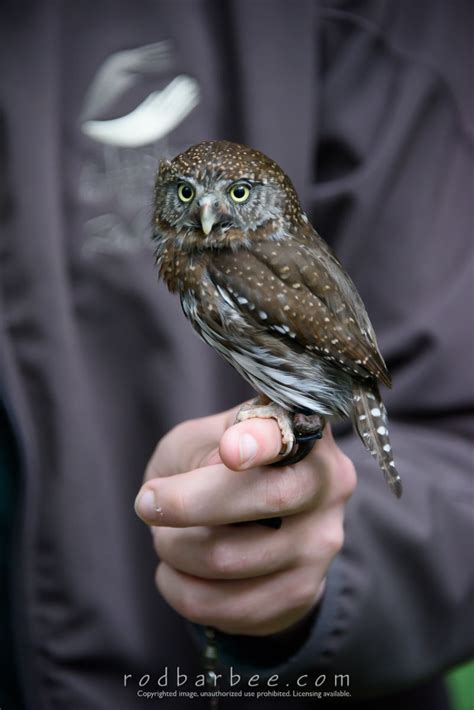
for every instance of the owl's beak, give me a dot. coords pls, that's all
(208, 217)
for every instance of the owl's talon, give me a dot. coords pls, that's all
(256, 410)
(300, 451)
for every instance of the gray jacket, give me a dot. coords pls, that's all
(364, 104)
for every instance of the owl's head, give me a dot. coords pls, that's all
(217, 190)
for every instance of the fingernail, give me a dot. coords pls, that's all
(248, 448)
(145, 505)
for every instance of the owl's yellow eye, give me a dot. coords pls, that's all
(185, 192)
(240, 192)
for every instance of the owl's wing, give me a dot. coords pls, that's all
(296, 290)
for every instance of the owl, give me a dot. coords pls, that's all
(262, 288)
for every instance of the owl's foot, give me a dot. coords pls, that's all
(262, 408)
(298, 431)
(307, 428)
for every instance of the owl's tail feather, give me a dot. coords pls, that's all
(371, 423)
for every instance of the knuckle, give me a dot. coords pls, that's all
(331, 538)
(178, 507)
(306, 592)
(303, 591)
(276, 495)
(221, 559)
(235, 611)
(192, 607)
(346, 478)
(290, 489)
(190, 601)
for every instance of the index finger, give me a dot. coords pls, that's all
(189, 445)
(216, 439)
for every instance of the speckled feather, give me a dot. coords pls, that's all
(267, 293)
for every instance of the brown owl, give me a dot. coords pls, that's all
(263, 289)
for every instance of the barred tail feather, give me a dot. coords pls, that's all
(371, 423)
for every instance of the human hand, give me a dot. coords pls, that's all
(248, 579)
